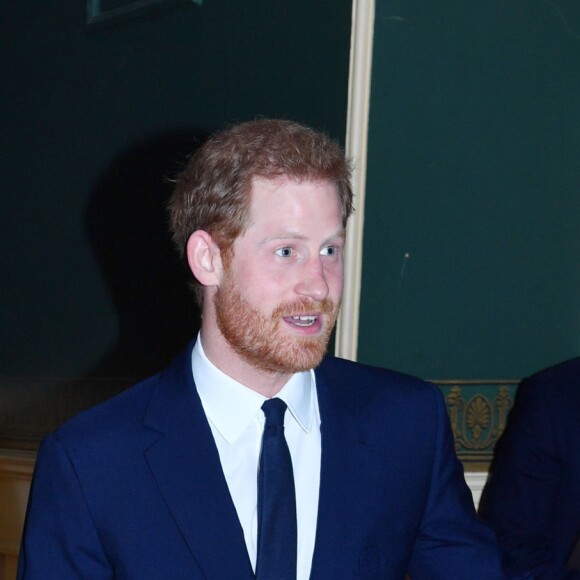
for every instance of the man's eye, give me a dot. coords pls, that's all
(329, 251)
(284, 252)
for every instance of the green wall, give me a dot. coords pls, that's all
(93, 122)
(472, 224)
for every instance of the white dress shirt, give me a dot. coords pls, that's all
(237, 422)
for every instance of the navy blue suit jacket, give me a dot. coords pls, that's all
(532, 498)
(133, 488)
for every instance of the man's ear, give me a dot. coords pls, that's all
(204, 258)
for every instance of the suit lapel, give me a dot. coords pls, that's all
(186, 465)
(344, 474)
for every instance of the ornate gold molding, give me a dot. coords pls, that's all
(478, 413)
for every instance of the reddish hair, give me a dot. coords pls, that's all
(213, 191)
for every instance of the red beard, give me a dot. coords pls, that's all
(258, 339)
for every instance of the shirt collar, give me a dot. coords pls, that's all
(231, 406)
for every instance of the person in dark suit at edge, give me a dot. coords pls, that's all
(161, 480)
(532, 496)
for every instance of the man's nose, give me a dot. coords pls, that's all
(312, 283)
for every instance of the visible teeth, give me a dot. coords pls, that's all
(304, 320)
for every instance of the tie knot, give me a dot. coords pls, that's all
(274, 410)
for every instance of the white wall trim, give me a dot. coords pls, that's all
(476, 482)
(359, 88)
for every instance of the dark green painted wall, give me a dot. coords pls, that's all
(472, 223)
(92, 122)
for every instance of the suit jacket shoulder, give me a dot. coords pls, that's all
(135, 490)
(388, 465)
(359, 384)
(159, 402)
(531, 497)
(559, 383)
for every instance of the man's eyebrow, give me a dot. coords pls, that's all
(340, 234)
(279, 236)
(284, 236)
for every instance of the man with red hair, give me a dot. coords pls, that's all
(254, 454)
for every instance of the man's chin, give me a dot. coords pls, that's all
(304, 355)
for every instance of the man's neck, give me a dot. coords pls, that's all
(220, 353)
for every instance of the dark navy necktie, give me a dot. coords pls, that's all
(276, 558)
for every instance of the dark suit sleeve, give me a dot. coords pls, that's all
(60, 540)
(521, 495)
(453, 543)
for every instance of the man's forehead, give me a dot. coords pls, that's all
(281, 212)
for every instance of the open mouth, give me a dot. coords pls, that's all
(302, 320)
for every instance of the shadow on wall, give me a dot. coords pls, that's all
(126, 223)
